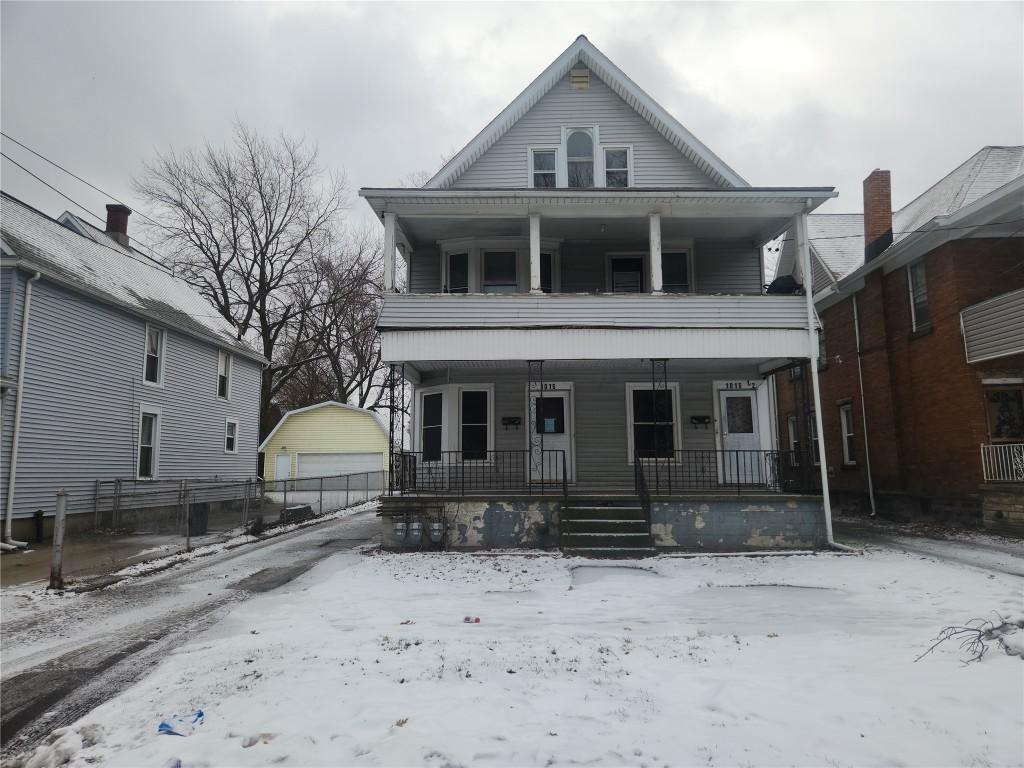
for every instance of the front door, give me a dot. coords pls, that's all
(283, 466)
(741, 458)
(550, 414)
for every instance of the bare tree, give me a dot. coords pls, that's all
(249, 225)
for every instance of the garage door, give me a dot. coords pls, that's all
(326, 464)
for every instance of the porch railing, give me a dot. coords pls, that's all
(1003, 462)
(642, 491)
(732, 471)
(460, 472)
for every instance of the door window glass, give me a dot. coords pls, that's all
(739, 415)
(550, 416)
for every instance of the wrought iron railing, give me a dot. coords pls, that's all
(740, 471)
(642, 491)
(1003, 462)
(460, 472)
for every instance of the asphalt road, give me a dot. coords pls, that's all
(62, 656)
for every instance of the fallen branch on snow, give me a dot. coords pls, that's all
(976, 634)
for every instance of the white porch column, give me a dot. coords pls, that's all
(804, 254)
(535, 253)
(389, 252)
(655, 260)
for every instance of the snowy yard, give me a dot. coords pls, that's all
(804, 660)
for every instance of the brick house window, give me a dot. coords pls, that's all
(1005, 409)
(792, 426)
(918, 287)
(812, 430)
(847, 434)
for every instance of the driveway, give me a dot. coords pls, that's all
(63, 655)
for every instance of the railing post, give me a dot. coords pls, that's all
(57, 554)
(96, 505)
(348, 479)
(286, 493)
(115, 512)
(188, 523)
(321, 495)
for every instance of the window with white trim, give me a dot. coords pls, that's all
(918, 287)
(847, 434)
(431, 425)
(675, 271)
(230, 436)
(579, 151)
(223, 374)
(153, 368)
(793, 426)
(812, 430)
(457, 272)
(616, 166)
(652, 420)
(149, 436)
(543, 168)
(474, 430)
(499, 272)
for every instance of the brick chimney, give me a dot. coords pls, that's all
(877, 213)
(117, 222)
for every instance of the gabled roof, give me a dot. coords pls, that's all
(326, 404)
(583, 51)
(837, 239)
(83, 258)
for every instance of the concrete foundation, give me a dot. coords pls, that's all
(1002, 508)
(473, 523)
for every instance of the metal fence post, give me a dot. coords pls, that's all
(116, 511)
(321, 495)
(96, 505)
(57, 554)
(286, 493)
(348, 479)
(188, 523)
(245, 503)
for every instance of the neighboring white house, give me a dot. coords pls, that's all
(586, 324)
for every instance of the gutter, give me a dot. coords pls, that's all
(9, 542)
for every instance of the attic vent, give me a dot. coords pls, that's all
(579, 79)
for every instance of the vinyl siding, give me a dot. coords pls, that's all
(325, 430)
(425, 271)
(724, 266)
(12, 292)
(656, 163)
(83, 390)
(994, 328)
(600, 410)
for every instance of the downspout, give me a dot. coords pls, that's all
(8, 539)
(863, 408)
(804, 249)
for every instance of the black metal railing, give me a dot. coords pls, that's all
(460, 472)
(642, 491)
(720, 470)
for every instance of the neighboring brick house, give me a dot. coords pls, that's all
(936, 291)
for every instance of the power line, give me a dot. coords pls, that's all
(914, 231)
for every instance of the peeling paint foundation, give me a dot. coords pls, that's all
(469, 524)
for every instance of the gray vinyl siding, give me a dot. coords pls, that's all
(12, 293)
(425, 271)
(994, 328)
(600, 411)
(656, 163)
(82, 395)
(724, 266)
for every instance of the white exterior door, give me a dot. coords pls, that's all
(283, 466)
(550, 413)
(742, 459)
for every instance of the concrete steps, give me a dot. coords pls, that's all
(616, 529)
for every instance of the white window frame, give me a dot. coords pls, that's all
(812, 431)
(484, 250)
(529, 162)
(793, 426)
(563, 165)
(629, 164)
(162, 358)
(149, 410)
(645, 277)
(223, 355)
(489, 389)
(677, 421)
(417, 439)
(847, 433)
(224, 445)
(910, 295)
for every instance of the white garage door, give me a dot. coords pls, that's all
(326, 464)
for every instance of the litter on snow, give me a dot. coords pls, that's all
(178, 725)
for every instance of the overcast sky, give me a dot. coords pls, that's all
(787, 94)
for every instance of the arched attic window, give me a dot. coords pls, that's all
(579, 150)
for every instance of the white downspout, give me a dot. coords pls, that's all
(804, 250)
(863, 408)
(8, 540)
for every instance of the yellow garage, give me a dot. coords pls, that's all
(324, 440)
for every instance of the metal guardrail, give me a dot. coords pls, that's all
(473, 471)
(1003, 462)
(729, 470)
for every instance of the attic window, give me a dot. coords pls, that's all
(579, 79)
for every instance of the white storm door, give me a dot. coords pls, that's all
(550, 414)
(283, 466)
(741, 460)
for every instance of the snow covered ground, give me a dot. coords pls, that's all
(366, 660)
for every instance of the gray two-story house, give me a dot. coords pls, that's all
(584, 342)
(111, 368)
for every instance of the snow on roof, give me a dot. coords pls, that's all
(326, 404)
(837, 239)
(87, 259)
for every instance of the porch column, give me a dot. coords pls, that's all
(389, 252)
(804, 254)
(655, 260)
(535, 253)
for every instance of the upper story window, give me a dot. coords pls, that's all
(918, 286)
(230, 436)
(154, 364)
(223, 375)
(457, 273)
(543, 171)
(616, 166)
(579, 150)
(500, 272)
(148, 443)
(675, 272)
